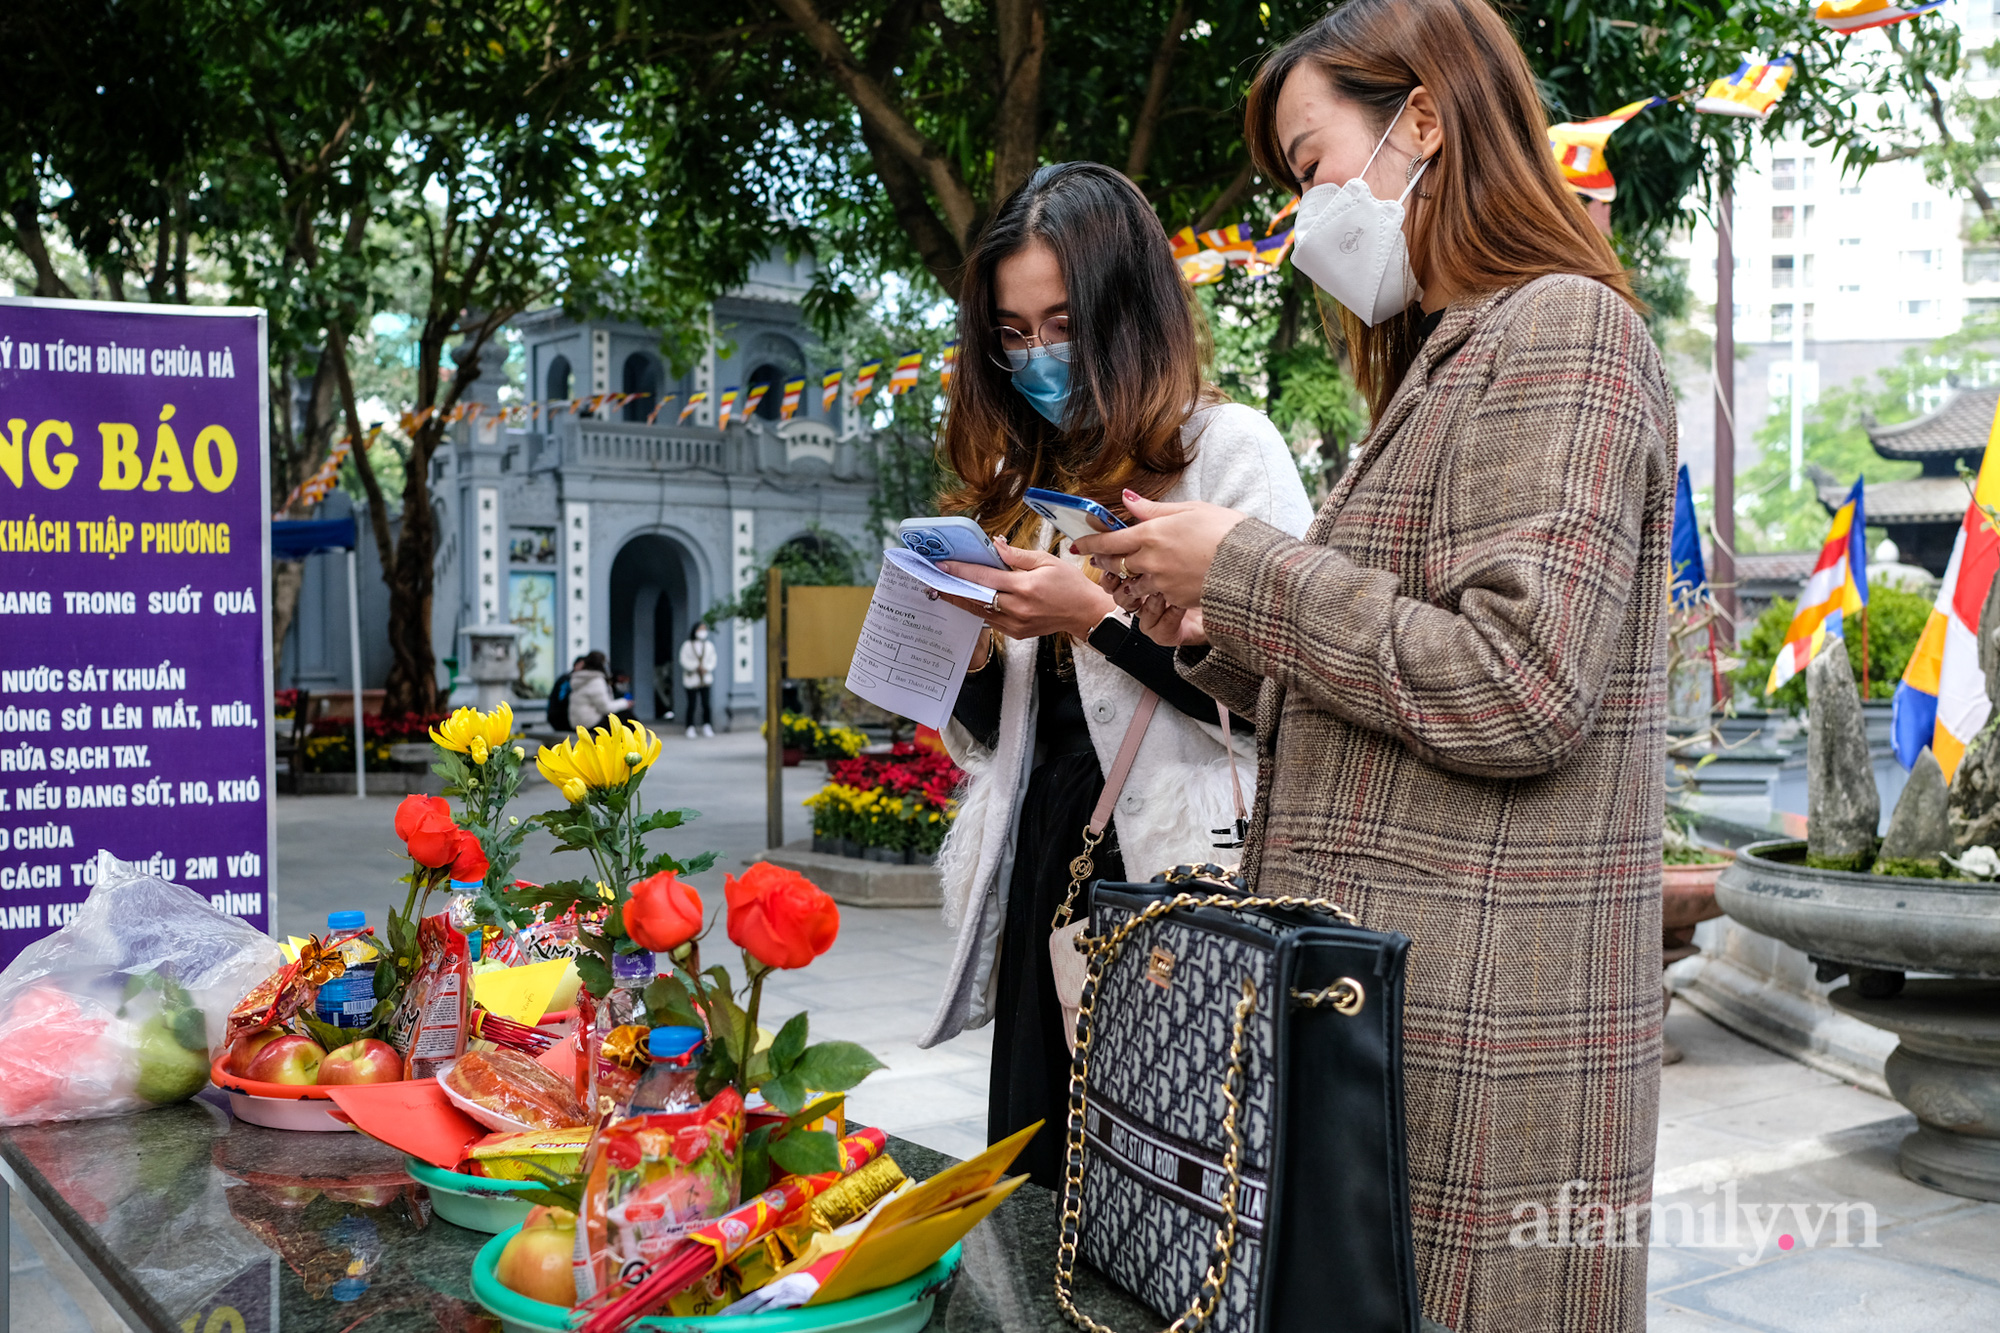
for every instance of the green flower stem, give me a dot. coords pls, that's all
(756, 972)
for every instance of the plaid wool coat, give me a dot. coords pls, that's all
(1459, 683)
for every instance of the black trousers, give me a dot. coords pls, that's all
(698, 702)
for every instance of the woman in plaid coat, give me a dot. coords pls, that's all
(1458, 674)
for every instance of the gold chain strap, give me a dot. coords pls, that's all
(1103, 953)
(1079, 870)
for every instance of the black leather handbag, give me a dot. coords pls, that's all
(1236, 1156)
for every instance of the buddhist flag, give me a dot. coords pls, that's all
(829, 389)
(727, 406)
(904, 377)
(1837, 588)
(794, 390)
(1184, 243)
(1750, 92)
(1204, 267)
(1941, 701)
(1579, 149)
(755, 399)
(950, 361)
(864, 380)
(654, 415)
(1853, 16)
(1237, 244)
(1690, 570)
(1281, 215)
(694, 401)
(1271, 252)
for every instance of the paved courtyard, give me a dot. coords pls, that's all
(1763, 1151)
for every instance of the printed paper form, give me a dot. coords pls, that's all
(913, 652)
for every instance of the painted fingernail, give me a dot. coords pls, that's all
(1133, 495)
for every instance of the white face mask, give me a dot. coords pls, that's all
(1352, 245)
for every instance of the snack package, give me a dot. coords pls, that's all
(122, 1008)
(294, 988)
(429, 1026)
(534, 1155)
(507, 1091)
(652, 1180)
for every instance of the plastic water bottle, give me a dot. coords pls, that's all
(631, 973)
(348, 1001)
(669, 1084)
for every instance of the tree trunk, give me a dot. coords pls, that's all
(412, 683)
(288, 579)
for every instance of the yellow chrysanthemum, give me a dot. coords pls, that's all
(606, 757)
(575, 790)
(468, 724)
(478, 750)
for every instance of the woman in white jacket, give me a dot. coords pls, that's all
(1079, 370)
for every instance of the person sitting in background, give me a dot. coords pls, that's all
(590, 698)
(559, 698)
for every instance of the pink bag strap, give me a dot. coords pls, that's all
(1121, 767)
(1242, 826)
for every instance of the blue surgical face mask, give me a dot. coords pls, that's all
(1041, 375)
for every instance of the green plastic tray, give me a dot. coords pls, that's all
(473, 1202)
(903, 1308)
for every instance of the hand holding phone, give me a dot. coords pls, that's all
(1074, 516)
(955, 538)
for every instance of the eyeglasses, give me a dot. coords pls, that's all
(1015, 345)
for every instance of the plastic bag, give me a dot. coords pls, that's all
(122, 1008)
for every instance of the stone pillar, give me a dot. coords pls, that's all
(743, 702)
(576, 582)
(490, 654)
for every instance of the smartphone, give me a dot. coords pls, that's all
(1073, 515)
(953, 538)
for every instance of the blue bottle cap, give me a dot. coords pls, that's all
(467, 885)
(673, 1043)
(346, 920)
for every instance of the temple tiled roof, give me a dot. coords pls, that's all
(1917, 500)
(1959, 427)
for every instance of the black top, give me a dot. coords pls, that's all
(1427, 325)
(1060, 727)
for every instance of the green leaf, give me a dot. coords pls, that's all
(694, 865)
(787, 1093)
(190, 1029)
(596, 974)
(824, 1104)
(807, 1152)
(789, 1044)
(728, 1023)
(717, 1071)
(329, 1037)
(663, 862)
(668, 1003)
(835, 1066)
(664, 819)
(753, 1159)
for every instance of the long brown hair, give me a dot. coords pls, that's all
(1492, 209)
(1136, 368)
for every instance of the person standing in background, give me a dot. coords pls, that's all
(698, 661)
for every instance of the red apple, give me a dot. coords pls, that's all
(244, 1049)
(365, 1061)
(536, 1263)
(287, 1060)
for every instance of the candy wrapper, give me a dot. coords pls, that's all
(505, 1090)
(121, 1008)
(429, 1026)
(279, 999)
(653, 1180)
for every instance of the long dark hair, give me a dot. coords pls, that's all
(1493, 209)
(1137, 367)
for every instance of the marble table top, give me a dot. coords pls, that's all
(183, 1212)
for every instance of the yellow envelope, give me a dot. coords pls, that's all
(519, 993)
(290, 948)
(955, 1184)
(884, 1256)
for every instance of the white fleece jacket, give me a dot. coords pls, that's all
(1179, 788)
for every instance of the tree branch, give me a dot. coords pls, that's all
(1017, 120)
(936, 246)
(28, 235)
(878, 110)
(1148, 123)
(1232, 195)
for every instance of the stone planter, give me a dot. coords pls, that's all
(1946, 1067)
(794, 756)
(893, 856)
(411, 752)
(855, 882)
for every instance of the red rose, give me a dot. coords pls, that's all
(425, 824)
(468, 863)
(779, 917)
(663, 914)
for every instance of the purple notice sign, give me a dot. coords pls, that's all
(135, 685)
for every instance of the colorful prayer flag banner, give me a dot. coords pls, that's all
(904, 377)
(727, 406)
(1237, 244)
(654, 415)
(1579, 150)
(1855, 15)
(1750, 92)
(1941, 700)
(1281, 215)
(864, 380)
(829, 389)
(1837, 588)
(694, 401)
(1271, 252)
(755, 399)
(1204, 267)
(794, 390)
(1184, 243)
(950, 362)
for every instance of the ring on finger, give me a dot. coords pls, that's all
(1124, 570)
